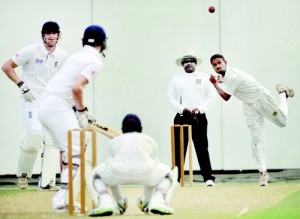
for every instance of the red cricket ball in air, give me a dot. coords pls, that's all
(211, 9)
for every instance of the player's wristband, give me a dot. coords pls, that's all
(82, 110)
(20, 84)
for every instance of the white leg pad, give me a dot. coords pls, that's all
(89, 176)
(50, 163)
(90, 184)
(31, 144)
(174, 176)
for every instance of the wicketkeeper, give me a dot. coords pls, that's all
(132, 160)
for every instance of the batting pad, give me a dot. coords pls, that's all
(76, 186)
(29, 149)
(50, 163)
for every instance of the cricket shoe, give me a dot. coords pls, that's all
(288, 91)
(143, 206)
(50, 187)
(23, 181)
(121, 207)
(106, 207)
(209, 183)
(264, 178)
(64, 208)
(157, 205)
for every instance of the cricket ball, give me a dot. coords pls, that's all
(211, 9)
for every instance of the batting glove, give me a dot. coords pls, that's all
(85, 118)
(25, 91)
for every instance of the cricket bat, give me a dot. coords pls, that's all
(109, 132)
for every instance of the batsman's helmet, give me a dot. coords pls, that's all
(131, 123)
(50, 27)
(94, 35)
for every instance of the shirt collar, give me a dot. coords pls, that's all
(92, 50)
(227, 72)
(45, 51)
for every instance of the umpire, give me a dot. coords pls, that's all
(190, 94)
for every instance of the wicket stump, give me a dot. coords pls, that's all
(82, 166)
(181, 127)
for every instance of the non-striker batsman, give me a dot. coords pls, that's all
(39, 63)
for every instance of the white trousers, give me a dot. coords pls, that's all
(150, 178)
(29, 150)
(57, 116)
(255, 113)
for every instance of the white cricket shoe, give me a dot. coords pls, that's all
(49, 187)
(23, 182)
(157, 205)
(282, 88)
(121, 207)
(209, 183)
(106, 207)
(264, 178)
(64, 208)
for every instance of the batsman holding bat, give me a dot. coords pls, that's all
(39, 63)
(258, 104)
(63, 92)
(133, 160)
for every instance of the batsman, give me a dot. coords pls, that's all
(65, 91)
(39, 63)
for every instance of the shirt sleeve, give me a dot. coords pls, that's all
(231, 83)
(23, 56)
(153, 148)
(173, 99)
(91, 70)
(211, 97)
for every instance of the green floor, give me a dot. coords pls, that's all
(288, 175)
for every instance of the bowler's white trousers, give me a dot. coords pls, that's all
(264, 107)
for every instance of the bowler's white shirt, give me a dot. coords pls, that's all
(241, 85)
(86, 62)
(191, 90)
(39, 66)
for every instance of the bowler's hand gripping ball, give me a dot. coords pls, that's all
(211, 9)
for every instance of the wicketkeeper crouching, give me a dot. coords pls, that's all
(132, 160)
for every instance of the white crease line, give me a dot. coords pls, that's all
(242, 212)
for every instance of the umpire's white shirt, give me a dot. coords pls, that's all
(191, 90)
(39, 66)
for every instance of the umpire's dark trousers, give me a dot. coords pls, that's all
(199, 135)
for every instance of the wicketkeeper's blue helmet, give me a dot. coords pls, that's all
(131, 123)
